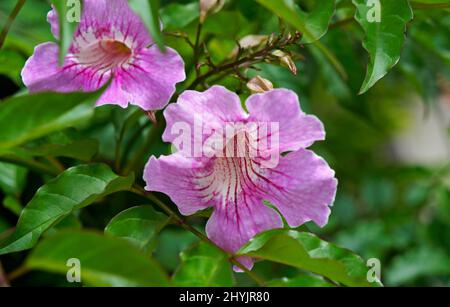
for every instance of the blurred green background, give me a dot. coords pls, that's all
(390, 147)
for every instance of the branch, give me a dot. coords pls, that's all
(10, 21)
(278, 43)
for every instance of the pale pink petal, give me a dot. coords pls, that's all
(232, 224)
(302, 187)
(41, 72)
(108, 18)
(211, 109)
(175, 175)
(52, 19)
(148, 82)
(296, 129)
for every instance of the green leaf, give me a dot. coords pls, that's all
(384, 39)
(317, 19)
(177, 16)
(29, 117)
(138, 225)
(67, 24)
(307, 252)
(203, 265)
(75, 188)
(11, 64)
(300, 281)
(148, 10)
(12, 204)
(287, 11)
(77, 149)
(12, 178)
(104, 260)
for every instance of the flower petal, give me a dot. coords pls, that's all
(41, 72)
(148, 82)
(296, 129)
(107, 17)
(52, 19)
(211, 108)
(232, 224)
(302, 187)
(174, 176)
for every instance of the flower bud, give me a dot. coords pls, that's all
(208, 7)
(259, 85)
(285, 60)
(249, 42)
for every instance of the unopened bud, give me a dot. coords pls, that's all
(285, 60)
(249, 42)
(208, 7)
(259, 85)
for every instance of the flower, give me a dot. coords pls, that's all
(111, 41)
(300, 184)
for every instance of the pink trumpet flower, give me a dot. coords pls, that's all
(235, 173)
(111, 42)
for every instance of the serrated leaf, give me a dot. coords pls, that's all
(125, 265)
(138, 225)
(385, 35)
(75, 188)
(203, 265)
(29, 117)
(307, 252)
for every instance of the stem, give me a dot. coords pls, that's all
(31, 164)
(20, 271)
(197, 49)
(420, 5)
(143, 150)
(10, 21)
(3, 280)
(278, 43)
(179, 220)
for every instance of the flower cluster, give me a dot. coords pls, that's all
(252, 174)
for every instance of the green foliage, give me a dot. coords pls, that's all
(384, 38)
(306, 251)
(29, 117)
(138, 225)
(203, 265)
(74, 189)
(67, 166)
(67, 26)
(125, 264)
(148, 10)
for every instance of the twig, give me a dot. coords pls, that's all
(10, 21)
(278, 43)
(156, 129)
(180, 221)
(197, 49)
